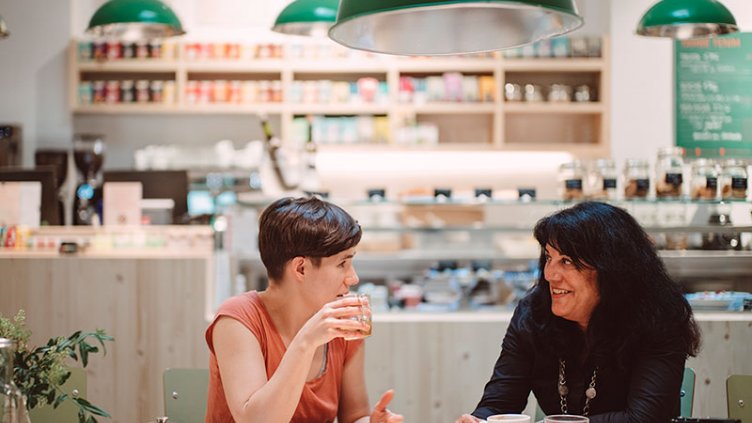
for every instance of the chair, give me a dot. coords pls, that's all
(67, 412)
(687, 393)
(739, 397)
(185, 393)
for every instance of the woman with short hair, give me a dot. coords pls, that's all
(279, 355)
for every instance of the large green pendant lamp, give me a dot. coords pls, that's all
(134, 20)
(3, 29)
(307, 17)
(683, 19)
(436, 27)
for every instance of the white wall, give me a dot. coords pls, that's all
(33, 72)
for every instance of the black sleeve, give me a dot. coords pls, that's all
(509, 387)
(654, 388)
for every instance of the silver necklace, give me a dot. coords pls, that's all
(590, 392)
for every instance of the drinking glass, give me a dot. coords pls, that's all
(516, 418)
(364, 316)
(562, 418)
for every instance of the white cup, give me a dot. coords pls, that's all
(516, 418)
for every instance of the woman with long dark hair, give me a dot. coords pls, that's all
(605, 332)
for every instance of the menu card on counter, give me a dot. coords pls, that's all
(122, 203)
(714, 95)
(21, 203)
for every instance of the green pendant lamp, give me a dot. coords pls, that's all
(436, 27)
(307, 17)
(134, 20)
(3, 29)
(683, 19)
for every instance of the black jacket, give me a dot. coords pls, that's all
(646, 392)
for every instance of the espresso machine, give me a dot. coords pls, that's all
(88, 155)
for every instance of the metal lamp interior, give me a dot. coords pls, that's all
(310, 29)
(453, 28)
(688, 30)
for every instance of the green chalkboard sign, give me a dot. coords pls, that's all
(714, 96)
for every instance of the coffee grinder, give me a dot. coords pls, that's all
(57, 158)
(88, 154)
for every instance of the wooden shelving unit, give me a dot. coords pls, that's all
(579, 128)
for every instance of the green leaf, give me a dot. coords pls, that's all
(91, 408)
(60, 400)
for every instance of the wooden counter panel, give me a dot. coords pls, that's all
(439, 368)
(155, 309)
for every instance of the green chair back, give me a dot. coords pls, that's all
(185, 393)
(67, 412)
(739, 397)
(687, 393)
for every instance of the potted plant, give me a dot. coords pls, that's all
(40, 372)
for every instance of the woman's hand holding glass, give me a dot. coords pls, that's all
(337, 319)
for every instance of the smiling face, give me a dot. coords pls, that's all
(331, 278)
(574, 292)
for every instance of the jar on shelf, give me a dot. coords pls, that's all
(85, 92)
(142, 91)
(156, 89)
(636, 179)
(99, 91)
(126, 91)
(734, 180)
(571, 177)
(704, 180)
(113, 91)
(669, 168)
(603, 178)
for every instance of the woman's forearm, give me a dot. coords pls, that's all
(276, 401)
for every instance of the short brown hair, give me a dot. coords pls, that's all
(303, 227)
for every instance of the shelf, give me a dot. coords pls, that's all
(240, 66)
(702, 263)
(273, 108)
(448, 108)
(338, 109)
(134, 65)
(136, 108)
(563, 64)
(559, 108)
(341, 66)
(489, 125)
(693, 263)
(439, 65)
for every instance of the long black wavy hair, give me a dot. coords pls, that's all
(640, 305)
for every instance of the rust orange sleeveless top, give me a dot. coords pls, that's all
(319, 400)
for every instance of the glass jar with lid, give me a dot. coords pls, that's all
(571, 178)
(734, 180)
(636, 179)
(669, 169)
(704, 180)
(603, 178)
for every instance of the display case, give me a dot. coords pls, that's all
(403, 239)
